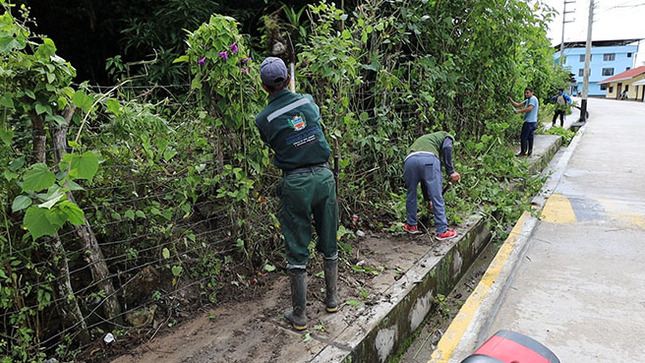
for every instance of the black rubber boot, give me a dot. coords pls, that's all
(530, 149)
(522, 149)
(331, 285)
(297, 316)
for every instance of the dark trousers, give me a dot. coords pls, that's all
(301, 196)
(561, 113)
(528, 131)
(526, 138)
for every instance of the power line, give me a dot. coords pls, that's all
(626, 6)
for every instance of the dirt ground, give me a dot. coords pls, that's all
(249, 325)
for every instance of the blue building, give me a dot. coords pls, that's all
(608, 58)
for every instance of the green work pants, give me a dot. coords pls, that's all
(303, 195)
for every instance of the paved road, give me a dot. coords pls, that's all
(579, 288)
(577, 284)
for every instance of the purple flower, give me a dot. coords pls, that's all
(245, 70)
(246, 60)
(223, 55)
(201, 61)
(233, 48)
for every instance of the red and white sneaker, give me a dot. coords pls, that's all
(411, 229)
(446, 235)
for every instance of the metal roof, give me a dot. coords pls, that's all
(627, 75)
(598, 43)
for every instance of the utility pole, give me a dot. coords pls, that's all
(564, 21)
(585, 85)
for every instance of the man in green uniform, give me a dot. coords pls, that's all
(290, 125)
(423, 165)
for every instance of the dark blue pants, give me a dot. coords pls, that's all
(528, 131)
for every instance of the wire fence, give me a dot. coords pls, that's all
(142, 246)
(129, 258)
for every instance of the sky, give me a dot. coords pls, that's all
(612, 19)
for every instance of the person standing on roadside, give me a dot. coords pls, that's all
(423, 165)
(562, 102)
(529, 108)
(290, 125)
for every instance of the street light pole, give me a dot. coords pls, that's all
(585, 85)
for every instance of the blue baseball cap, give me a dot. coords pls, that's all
(273, 72)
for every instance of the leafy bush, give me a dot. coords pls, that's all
(566, 134)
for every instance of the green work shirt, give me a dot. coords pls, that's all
(290, 125)
(430, 143)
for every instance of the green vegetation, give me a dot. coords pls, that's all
(567, 135)
(116, 202)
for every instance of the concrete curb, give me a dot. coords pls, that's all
(380, 330)
(471, 324)
(461, 337)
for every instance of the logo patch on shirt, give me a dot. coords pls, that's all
(298, 122)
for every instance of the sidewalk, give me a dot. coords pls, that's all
(572, 279)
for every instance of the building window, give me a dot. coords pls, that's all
(628, 68)
(582, 57)
(611, 89)
(581, 72)
(609, 57)
(603, 87)
(629, 54)
(607, 72)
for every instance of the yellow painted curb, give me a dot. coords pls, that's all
(558, 209)
(457, 328)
